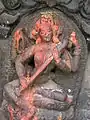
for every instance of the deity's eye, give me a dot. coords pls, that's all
(49, 20)
(43, 20)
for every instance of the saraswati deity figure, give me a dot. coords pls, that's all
(35, 88)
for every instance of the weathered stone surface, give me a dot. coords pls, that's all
(4, 31)
(64, 1)
(10, 90)
(29, 3)
(11, 4)
(87, 7)
(1, 5)
(2, 8)
(82, 23)
(55, 1)
(48, 2)
(2, 116)
(86, 27)
(73, 6)
(83, 106)
(8, 19)
(44, 114)
(7, 67)
(85, 10)
(84, 15)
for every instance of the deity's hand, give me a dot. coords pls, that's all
(24, 83)
(55, 39)
(56, 54)
(58, 46)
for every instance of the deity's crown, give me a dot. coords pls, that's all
(47, 14)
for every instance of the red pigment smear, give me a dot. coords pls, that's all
(17, 37)
(74, 39)
(35, 118)
(10, 109)
(27, 100)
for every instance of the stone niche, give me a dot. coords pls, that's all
(66, 81)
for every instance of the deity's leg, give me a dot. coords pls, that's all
(12, 90)
(50, 104)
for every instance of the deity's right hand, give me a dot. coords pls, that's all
(23, 83)
(56, 54)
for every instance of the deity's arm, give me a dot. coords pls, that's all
(61, 46)
(64, 40)
(75, 59)
(19, 64)
(35, 30)
(76, 53)
(73, 63)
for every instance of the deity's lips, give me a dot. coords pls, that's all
(47, 38)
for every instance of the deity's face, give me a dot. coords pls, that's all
(46, 33)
